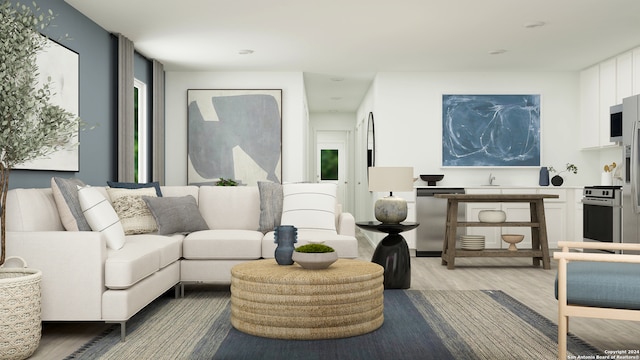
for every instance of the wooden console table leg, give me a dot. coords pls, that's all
(542, 231)
(535, 231)
(451, 230)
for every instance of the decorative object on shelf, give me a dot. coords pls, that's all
(512, 240)
(315, 256)
(432, 179)
(557, 180)
(544, 176)
(492, 216)
(391, 209)
(472, 242)
(606, 178)
(285, 237)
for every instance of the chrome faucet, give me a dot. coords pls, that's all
(491, 178)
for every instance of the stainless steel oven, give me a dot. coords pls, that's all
(602, 214)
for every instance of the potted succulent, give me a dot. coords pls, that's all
(314, 256)
(30, 128)
(557, 180)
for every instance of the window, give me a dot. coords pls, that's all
(141, 137)
(329, 164)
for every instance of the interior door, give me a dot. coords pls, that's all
(331, 161)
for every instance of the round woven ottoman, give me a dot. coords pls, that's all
(289, 302)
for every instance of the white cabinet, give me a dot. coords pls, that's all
(602, 86)
(556, 216)
(491, 234)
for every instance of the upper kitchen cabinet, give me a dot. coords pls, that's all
(602, 86)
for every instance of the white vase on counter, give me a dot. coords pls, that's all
(606, 179)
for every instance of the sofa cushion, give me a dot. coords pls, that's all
(129, 185)
(270, 205)
(101, 216)
(141, 256)
(346, 246)
(65, 193)
(230, 207)
(132, 210)
(176, 214)
(310, 206)
(32, 210)
(223, 244)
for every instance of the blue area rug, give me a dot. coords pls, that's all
(430, 324)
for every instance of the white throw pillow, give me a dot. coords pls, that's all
(101, 216)
(310, 206)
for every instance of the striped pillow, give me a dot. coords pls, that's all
(310, 206)
(101, 216)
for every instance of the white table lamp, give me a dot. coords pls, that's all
(390, 209)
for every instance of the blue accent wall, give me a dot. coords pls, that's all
(98, 101)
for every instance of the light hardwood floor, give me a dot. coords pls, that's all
(515, 276)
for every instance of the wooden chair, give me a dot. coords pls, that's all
(583, 290)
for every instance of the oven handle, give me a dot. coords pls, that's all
(634, 167)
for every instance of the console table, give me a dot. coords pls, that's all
(539, 244)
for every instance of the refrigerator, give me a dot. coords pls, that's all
(631, 158)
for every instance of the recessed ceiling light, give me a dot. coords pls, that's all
(336, 98)
(534, 24)
(245, 52)
(337, 79)
(497, 52)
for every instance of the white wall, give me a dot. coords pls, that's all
(408, 116)
(295, 117)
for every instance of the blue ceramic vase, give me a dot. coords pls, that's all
(285, 237)
(544, 176)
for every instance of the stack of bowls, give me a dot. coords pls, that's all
(472, 242)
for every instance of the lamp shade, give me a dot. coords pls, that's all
(390, 179)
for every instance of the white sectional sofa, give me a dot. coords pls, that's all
(84, 279)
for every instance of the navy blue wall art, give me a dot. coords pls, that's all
(234, 134)
(491, 130)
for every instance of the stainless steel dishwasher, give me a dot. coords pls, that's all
(431, 213)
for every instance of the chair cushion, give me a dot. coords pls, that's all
(101, 216)
(346, 246)
(223, 244)
(603, 284)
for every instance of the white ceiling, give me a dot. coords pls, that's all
(352, 40)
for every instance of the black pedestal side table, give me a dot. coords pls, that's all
(392, 253)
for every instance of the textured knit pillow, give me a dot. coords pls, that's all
(65, 194)
(176, 214)
(309, 206)
(132, 210)
(270, 205)
(131, 185)
(101, 216)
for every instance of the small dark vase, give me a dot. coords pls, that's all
(285, 237)
(544, 176)
(557, 180)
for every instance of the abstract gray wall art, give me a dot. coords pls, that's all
(491, 130)
(234, 134)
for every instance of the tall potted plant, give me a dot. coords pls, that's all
(30, 127)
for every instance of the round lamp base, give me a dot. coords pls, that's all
(391, 210)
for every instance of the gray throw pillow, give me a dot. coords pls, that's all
(270, 205)
(65, 194)
(176, 214)
(129, 185)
